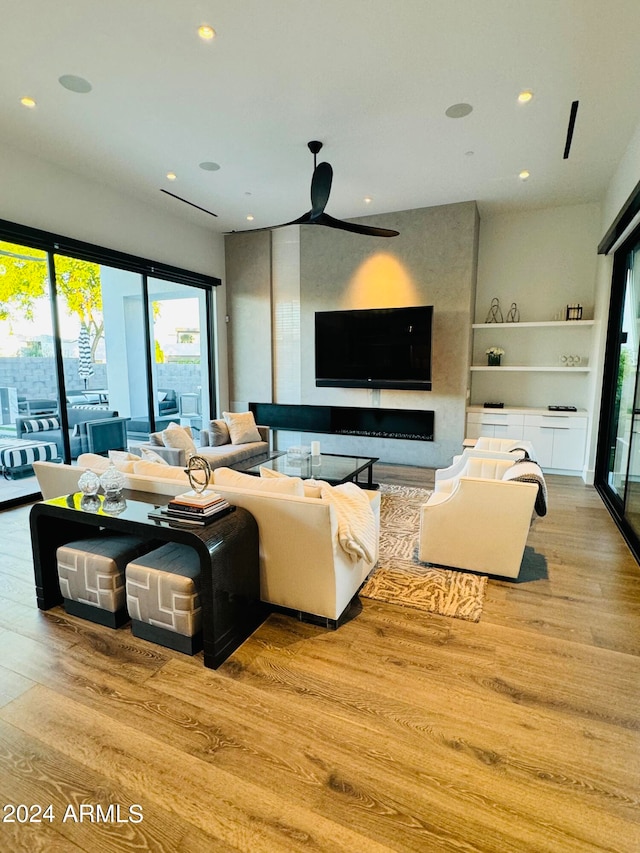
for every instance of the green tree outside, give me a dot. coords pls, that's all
(24, 279)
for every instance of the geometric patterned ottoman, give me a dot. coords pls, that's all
(91, 575)
(163, 597)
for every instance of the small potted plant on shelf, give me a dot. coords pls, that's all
(494, 354)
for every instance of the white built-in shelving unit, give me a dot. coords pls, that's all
(530, 378)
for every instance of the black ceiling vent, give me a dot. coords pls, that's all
(572, 124)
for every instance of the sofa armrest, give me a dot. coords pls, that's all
(265, 434)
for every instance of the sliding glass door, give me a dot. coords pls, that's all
(89, 336)
(178, 319)
(618, 475)
(28, 382)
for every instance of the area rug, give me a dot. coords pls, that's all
(400, 578)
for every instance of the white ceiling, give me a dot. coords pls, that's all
(371, 79)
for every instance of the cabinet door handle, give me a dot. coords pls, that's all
(555, 426)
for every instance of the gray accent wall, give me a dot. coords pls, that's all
(432, 262)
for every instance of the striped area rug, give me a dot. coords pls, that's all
(400, 578)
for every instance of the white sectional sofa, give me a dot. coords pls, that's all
(303, 567)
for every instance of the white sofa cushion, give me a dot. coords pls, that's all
(310, 489)
(165, 472)
(277, 485)
(242, 427)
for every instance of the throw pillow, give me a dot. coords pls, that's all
(116, 456)
(269, 472)
(178, 437)
(151, 456)
(157, 439)
(242, 427)
(279, 485)
(161, 472)
(218, 433)
(96, 463)
(310, 489)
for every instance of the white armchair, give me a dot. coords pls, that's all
(503, 445)
(499, 448)
(486, 467)
(479, 524)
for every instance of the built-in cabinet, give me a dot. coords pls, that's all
(546, 363)
(559, 437)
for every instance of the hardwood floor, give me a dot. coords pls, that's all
(401, 731)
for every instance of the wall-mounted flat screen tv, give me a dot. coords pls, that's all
(374, 348)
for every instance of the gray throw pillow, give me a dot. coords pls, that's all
(218, 433)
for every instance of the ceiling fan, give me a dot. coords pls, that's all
(320, 189)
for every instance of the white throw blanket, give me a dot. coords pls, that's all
(356, 521)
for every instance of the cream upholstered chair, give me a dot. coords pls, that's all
(477, 521)
(487, 467)
(503, 445)
(499, 448)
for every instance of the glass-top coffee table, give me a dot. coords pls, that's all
(333, 468)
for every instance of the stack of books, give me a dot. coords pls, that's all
(192, 508)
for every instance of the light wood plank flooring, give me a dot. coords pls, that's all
(401, 731)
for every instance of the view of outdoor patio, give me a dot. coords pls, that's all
(79, 350)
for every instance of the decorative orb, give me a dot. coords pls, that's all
(199, 472)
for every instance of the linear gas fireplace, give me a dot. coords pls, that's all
(412, 424)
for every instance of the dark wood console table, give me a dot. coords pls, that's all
(227, 548)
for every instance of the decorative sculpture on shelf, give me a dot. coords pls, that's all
(198, 471)
(514, 314)
(495, 312)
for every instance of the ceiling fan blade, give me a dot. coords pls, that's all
(320, 188)
(369, 230)
(305, 219)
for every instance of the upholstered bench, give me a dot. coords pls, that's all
(91, 574)
(163, 597)
(16, 453)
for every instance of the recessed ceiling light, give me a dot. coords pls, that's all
(75, 84)
(525, 96)
(28, 102)
(524, 174)
(206, 32)
(208, 166)
(171, 176)
(367, 199)
(250, 217)
(458, 110)
(469, 153)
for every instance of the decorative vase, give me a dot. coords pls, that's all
(113, 482)
(88, 484)
(493, 360)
